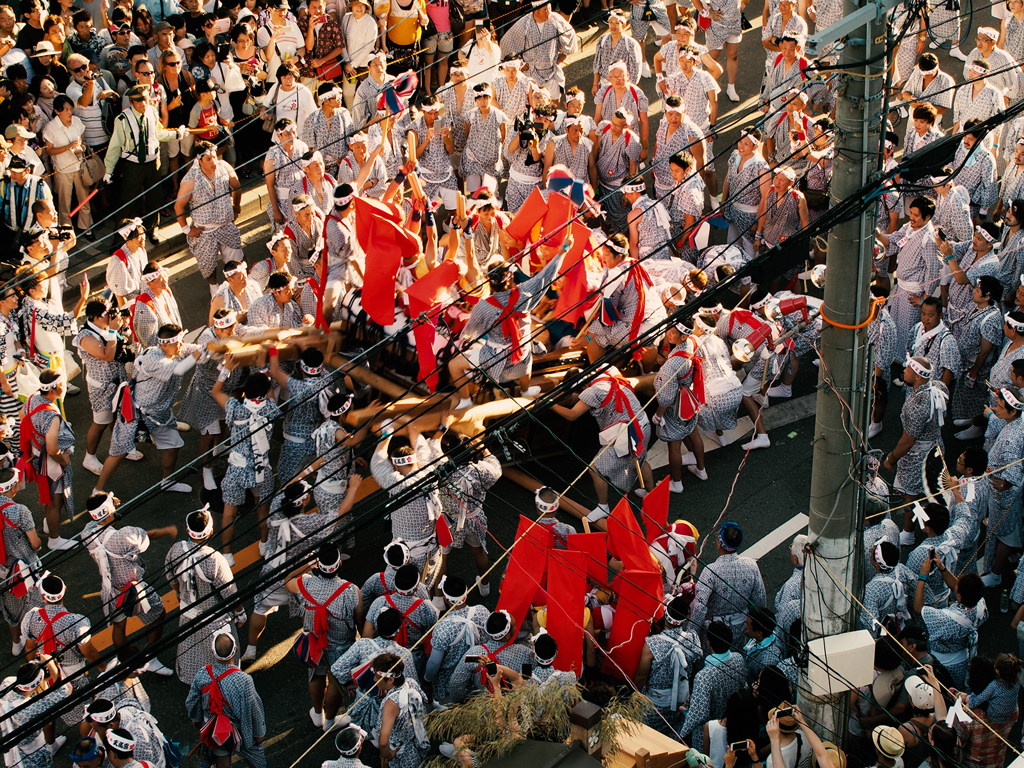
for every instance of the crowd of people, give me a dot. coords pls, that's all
(431, 159)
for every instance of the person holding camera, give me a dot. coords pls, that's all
(65, 144)
(135, 146)
(88, 90)
(526, 148)
(104, 351)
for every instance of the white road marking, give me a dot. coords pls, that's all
(780, 535)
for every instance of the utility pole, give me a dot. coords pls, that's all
(836, 504)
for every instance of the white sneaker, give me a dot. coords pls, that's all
(600, 512)
(157, 668)
(933, 45)
(962, 422)
(183, 427)
(72, 389)
(970, 433)
(875, 429)
(991, 580)
(221, 448)
(483, 587)
(715, 203)
(209, 481)
(230, 558)
(464, 403)
(249, 655)
(316, 717)
(907, 538)
(761, 400)
(531, 392)
(61, 543)
(328, 725)
(956, 53)
(645, 71)
(263, 549)
(176, 487)
(731, 92)
(675, 486)
(898, 381)
(17, 648)
(641, 492)
(817, 362)
(689, 460)
(760, 441)
(92, 464)
(135, 455)
(701, 473)
(721, 439)
(57, 744)
(781, 390)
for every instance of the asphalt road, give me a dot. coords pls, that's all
(762, 491)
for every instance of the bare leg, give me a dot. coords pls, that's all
(317, 689)
(908, 514)
(695, 442)
(227, 530)
(482, 562)
(169, 460)
(600, 487)
(257, 623)
(754, 412)
(118, 633)
(52, 514)
(1002, 558)
(458, 368)
(109, 468)
(732, 63)
(92, 438)
(262, 513)
(648, 476)
(428, 69)
(157, 632)
(333, 697)
(675, 461)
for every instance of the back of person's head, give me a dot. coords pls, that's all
(980, 672)
(945, 747)
(391, 665)
(278, 280)
(1008, 668)
(741, 716)
(719, 636)
(773, 687)
(257, 386)
(916, 635)
(976, 459)
(887, 653)
(389, 623)
(762, 620)
(938, 517)
(971, 589)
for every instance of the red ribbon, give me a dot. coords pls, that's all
(510, 323)
(318, 641)
(32, 439)
(403, 634)
(48, 639)
(693, 397)
(485, 682)
(222, 728)
(640, 279)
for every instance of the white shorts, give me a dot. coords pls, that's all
(213, 428)
(272, 602)
(751, 386)
(102, 417)
(1012, 539)
(166, 438)
(734, 38)
(448, 197)
(473, 353)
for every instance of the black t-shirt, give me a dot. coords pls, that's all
(29, 37)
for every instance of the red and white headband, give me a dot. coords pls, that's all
(1013, 323)
(751, 137)
(311, 370)
(130, 230)
(119, 742)
(277, 238)
(34, 683)
(545, 506)
(52, 385)
(104, 510)
(877, 554)
(149, 277)
(242, 267)
(303, 205)
(638, 187)
(977, 68)
(5, 487)
(1010, 400)
(985, 235)
(225, 322)
(917, 368)
(762, 302)
(403, 461)
(176, 339)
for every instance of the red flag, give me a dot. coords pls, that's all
(560, 212)
(531, 212)
(567, 586)
(655, 506)
(595, 547)
(444, 532)
(572, 298)
(626, 541)
(526, 567)
(640, 596)
(386, 243)
(425, 297)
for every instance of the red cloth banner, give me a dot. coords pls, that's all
(526, 567)
(595, 547)
(655, 507)
(531, 212)
(626, 541)
(640, 597)
(386, 243)
(567, 587)
(572, 299)
(425, 297)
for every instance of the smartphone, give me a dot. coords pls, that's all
(527, 670)
(942, 235)
(492, 668)
(781, 713)
(472, 659)
(738, 746)
(222, 26)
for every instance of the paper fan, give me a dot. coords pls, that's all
(935, 477)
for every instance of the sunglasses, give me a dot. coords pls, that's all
(145, 72)
(173, 64)
(138, 100)
(80, 69)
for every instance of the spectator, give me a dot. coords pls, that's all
(65, 144)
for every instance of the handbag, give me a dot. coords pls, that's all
(27, 378)
(330, 71)
(456, 16)
(270, 116)
(91, 170)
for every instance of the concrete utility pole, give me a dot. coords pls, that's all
(836, 505)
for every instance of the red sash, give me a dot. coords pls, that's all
(217, 701)
(640, 279)
(744, 317)
(31, 439)
(5, 523)
(691, 398)
(493, 656)
(146, 299)
(48, 638)
(510, 323)
(403, 634)
(318, 637)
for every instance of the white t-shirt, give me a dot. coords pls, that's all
(718, 743)
(296, 104)
(92, 115)
(789, 754)
(483, 66)
(59, 136)
(288, 42)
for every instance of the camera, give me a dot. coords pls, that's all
(525, 137)
(64, 234)
(527, 670)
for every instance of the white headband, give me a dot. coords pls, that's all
(764, 300)
(989, 32)
(316, 157)
(689, 55)
(917, 368)
(302, 206)
(453, 599)
(104, 510)
(149, 277)
(637, 186)
(580, 97)
(173, 339)
(225, 322)
(242, 267)
(119, 743)
(314, 370)
(213, 644)
(877, 554)
(334, 93)
(669, 109)
(977, 68)
(545, 506)
(403, 461)
(33, 684)
(52, 597)
(614, 247)
(5, 487)
(753, 139)
(52, 385)
(627, 116)
(788, 172)
(1011, 400)
(278, 237)
(570, 121)
(207, 530)
(328, 568)
(1013, 323)
(508, 624)
(985, 235)
(511, 64)
(126, 231)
